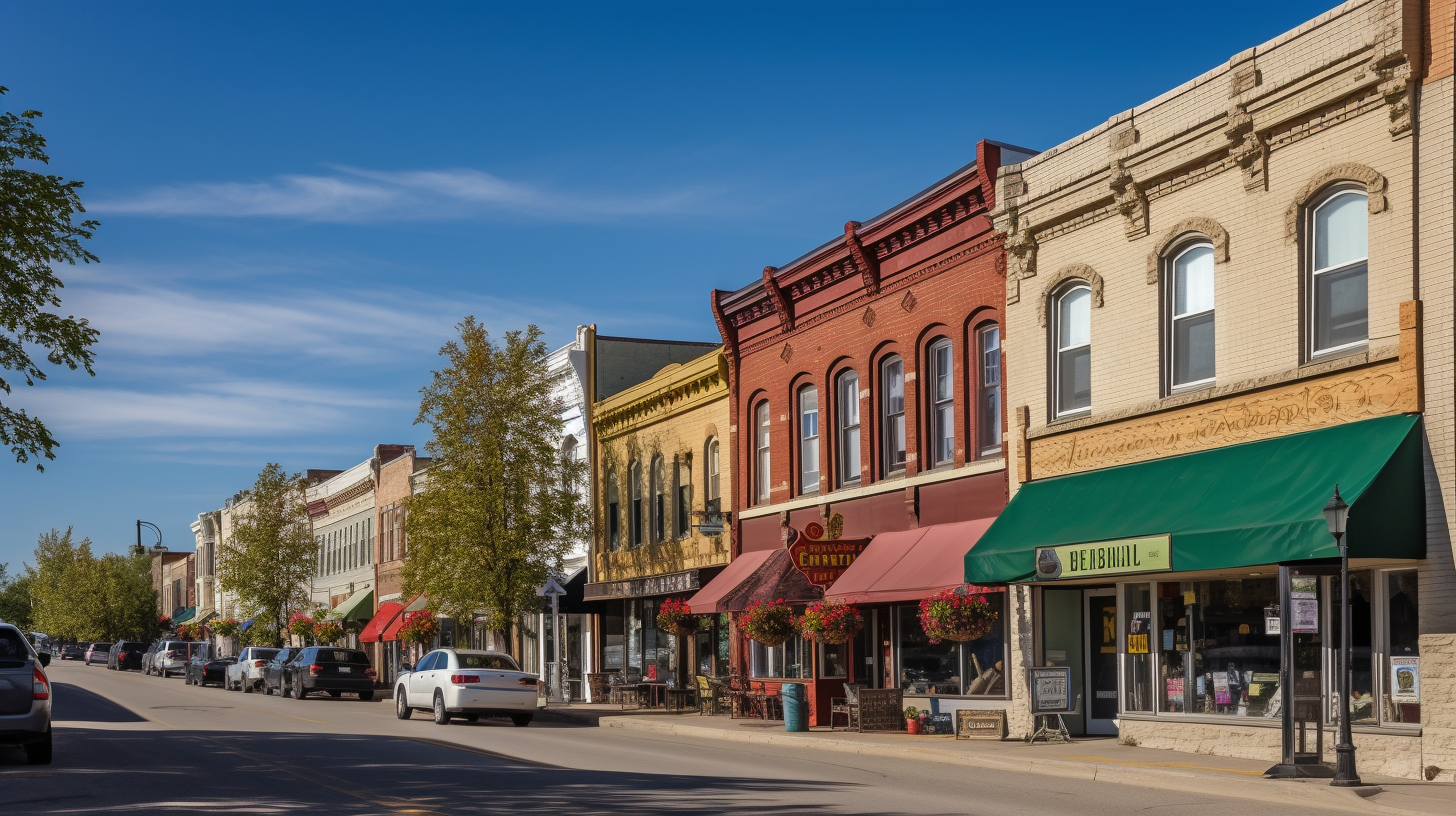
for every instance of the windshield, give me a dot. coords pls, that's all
(480, 661)
(13, 646)
(264, 654)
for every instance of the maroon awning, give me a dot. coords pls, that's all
(910, 565)
(766, 575)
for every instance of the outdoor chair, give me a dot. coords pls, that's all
(711, 695)
(848, 705)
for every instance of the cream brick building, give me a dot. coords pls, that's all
(1264, 251)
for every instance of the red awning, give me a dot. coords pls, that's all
(762, 577)
(909, 566)
(374, 630)
(391, 632)
(709, 599)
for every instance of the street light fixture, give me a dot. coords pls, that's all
(1336, 514)
(156, 549)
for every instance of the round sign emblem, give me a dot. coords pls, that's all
(814, 530)
(1048, 565)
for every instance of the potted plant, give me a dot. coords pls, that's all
(769, 623)
(830, 622)
(419, 627)
(950, 615)
(328, 630)
(912, 720)
(301, 624)
(674, 615)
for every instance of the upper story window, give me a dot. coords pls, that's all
(614, 513)
(634, 476)
(942, 402)
(659, 500)
(808, 439)
(988, 401)
(761, 482)
(1190, 317)
(1338, 262)
(847, 398)
(1072, 341)
(892, 419)
(682, 511)
(710, 468)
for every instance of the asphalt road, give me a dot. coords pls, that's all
(131, 744)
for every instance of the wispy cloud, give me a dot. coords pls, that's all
(354, 195)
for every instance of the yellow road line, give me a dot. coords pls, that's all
(305, 719)
(1186, 765)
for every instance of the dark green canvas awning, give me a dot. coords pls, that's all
(1239, 506)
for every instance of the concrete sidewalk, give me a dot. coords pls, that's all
(1093, 759)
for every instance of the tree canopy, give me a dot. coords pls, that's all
(268, 560)
(75, 595)
(14, 598)
(38, 230)
(500, 508)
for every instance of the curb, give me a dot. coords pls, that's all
(1347, 799)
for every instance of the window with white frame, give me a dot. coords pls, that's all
(847, 455)
(1072, 341)
(710, 465)
(942, 402)
(808, 439)
(1190, 316)
(1338, 263)
(791, 661)
(988, 401)
(892, 417)
(761, 484)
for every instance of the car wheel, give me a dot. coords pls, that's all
(267, 690)
(334, 694)
(472, 718)
(401, 705)
(165, 674)
(298, 691)
(245, 686)
(39, 753)
(442, 717)
(366, 696)
(521, 720)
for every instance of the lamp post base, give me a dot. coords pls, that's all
(1345, 774)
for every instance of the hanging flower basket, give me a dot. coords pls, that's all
(771, 624)
(188, 631)
(329, 630)
(961, 618)
(674, 615)
(164, 621)
(227, 627)
(419, 627)
(830, 622)
(301, 624)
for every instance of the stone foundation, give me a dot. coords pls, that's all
(1383, 754)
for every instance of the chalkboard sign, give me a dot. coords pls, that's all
(1051, 689)
(881, 709)
(980, 724)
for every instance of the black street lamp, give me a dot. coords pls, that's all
(156, 549)
(1336, 513)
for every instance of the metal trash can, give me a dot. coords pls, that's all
(796, 710)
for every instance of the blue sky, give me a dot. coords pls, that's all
(299, 201)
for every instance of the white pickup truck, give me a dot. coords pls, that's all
(246, 675)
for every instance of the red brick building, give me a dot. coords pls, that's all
(866, 396)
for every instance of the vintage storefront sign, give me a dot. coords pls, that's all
(1379, 390)
(974, 723)
(822, 560)
(1050, 689)
(1116, 557)
(642, 587)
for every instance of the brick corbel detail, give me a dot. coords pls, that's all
(1375, 185)
(776, 294)
(1410, 347)
(1207, 227)
(1068, 273)
(869, 267)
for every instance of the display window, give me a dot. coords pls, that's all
(975, 669)
(1384, 648)
(791, 661)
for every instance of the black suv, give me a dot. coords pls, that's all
(126, 655)
(330, 669)
(273, 673)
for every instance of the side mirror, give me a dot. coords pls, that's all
(405, 668)
(45, 658)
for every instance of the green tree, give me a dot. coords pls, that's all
(14, 598)
(127, 603)
(500, 509)
(269, 559)
(38, 231)
(62, 587)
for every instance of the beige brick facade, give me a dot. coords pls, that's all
(1234, 156)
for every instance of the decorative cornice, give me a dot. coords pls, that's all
(1247, 148)
(683, 389)
(1076, 271)
(1207, 227)
(1374, 182)
(869, 268)
(1129, 200)
(781, 305)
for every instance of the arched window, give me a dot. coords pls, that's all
(634, 476)
(941, 389)
(659, 501)
(1338, 263)
(1072, 342)
(808, 439)
(988, 401)
(761, 484)
(892, 414)
(1190, 316)
(614, 512)
(847, 399)
(682, 511)
(710, 475)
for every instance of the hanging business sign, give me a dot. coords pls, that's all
(1118, 557)
(819, 558)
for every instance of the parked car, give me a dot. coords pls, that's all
(205, 668)
(73, 651)
(246, 675)
(172, 656)
(468, 683)
(96, 653)
(330, 669)
(273, 672)
(126, 655)
(25, 696)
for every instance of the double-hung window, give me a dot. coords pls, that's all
(808, 439)
(892, 424)
(659, 501)
(761, 453)
(634, 475)
(711, 475)
(1339, 262)
(942, 403)
(1190, 324)
(988, 420)
(847, 387)
(614, 518)
(682, 512)
(1072, 336)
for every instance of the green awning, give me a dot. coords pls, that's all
(185, 616)
(358, 606)
(1239, 506)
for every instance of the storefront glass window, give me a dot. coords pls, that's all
(1362, 675)
(723, 631)
(790, 661)
(833, 660)
(1138, 637)
(612, 645)
(634, 638)
(974, 668)
(1216, 657)
(1402, 648)
(985, 659)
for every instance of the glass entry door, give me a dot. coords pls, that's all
(1100, 625)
